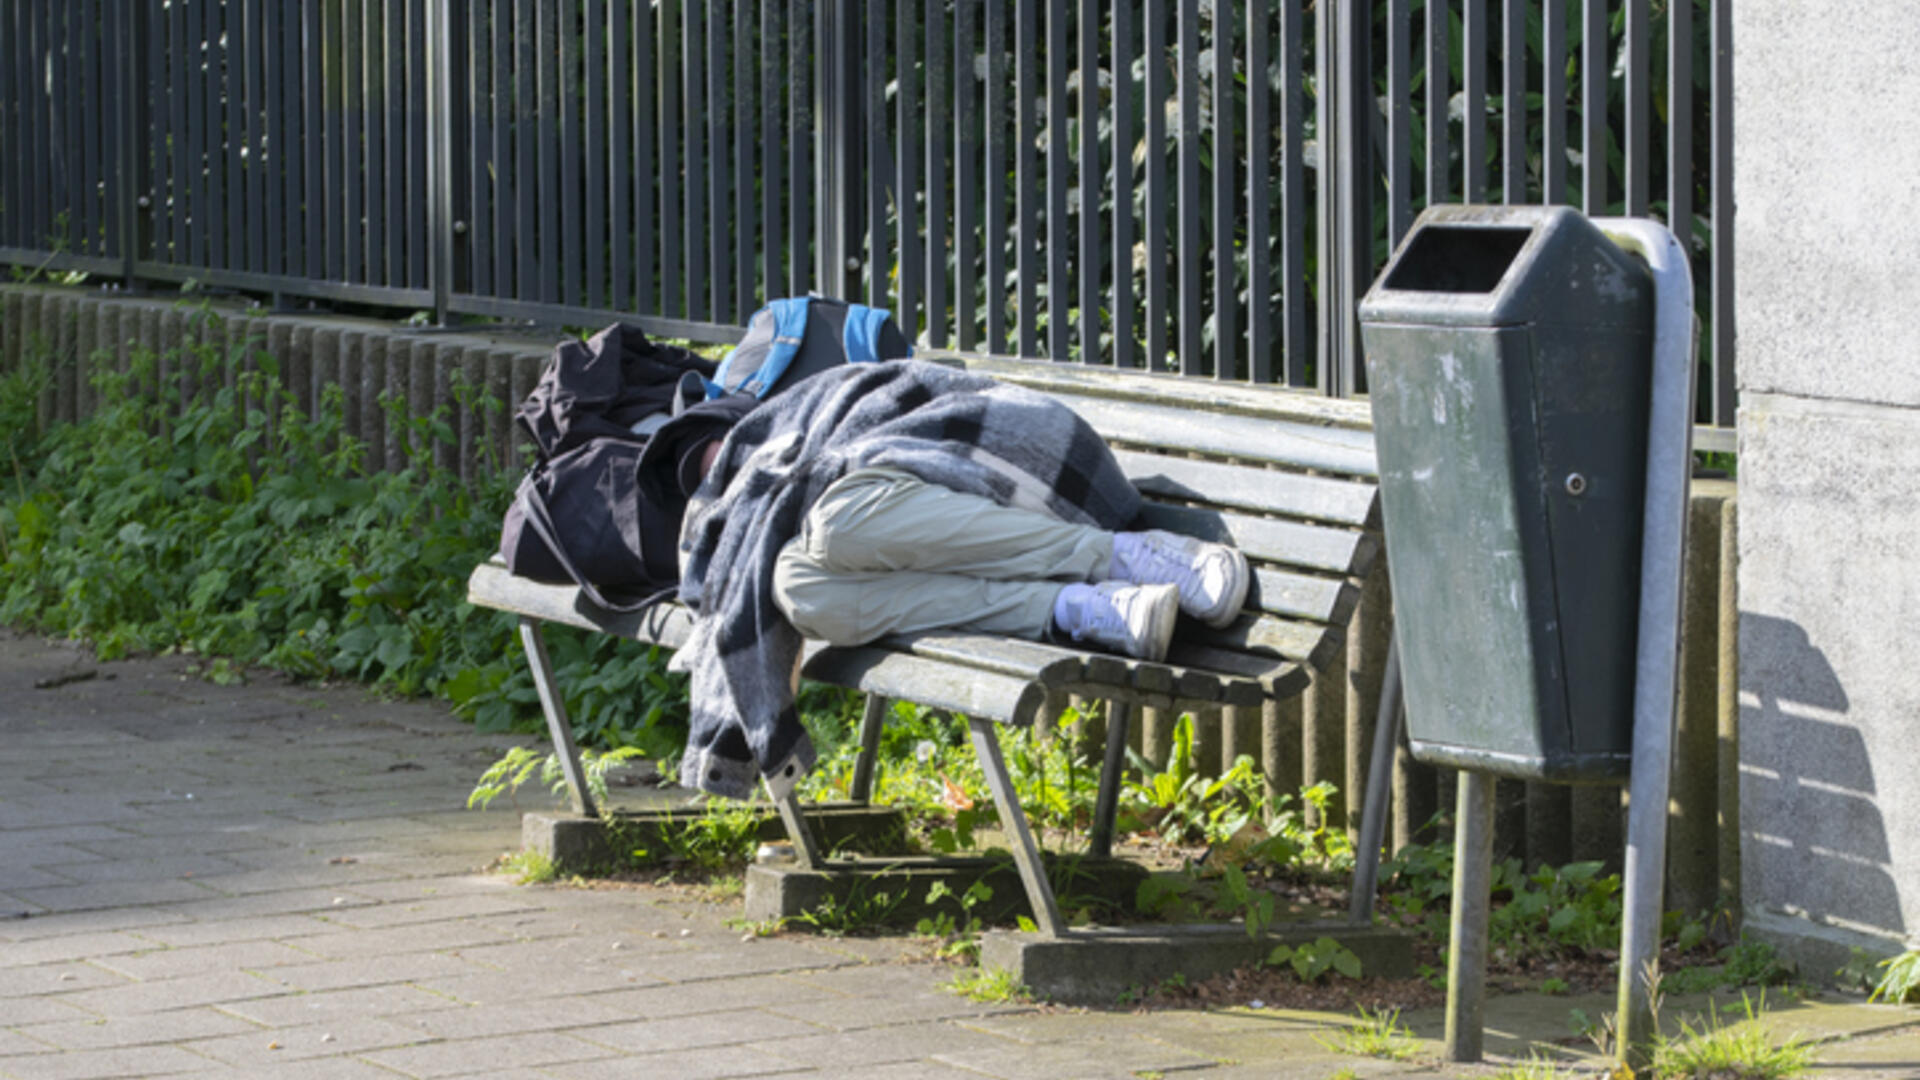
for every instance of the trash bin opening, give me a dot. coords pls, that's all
(1457, 259)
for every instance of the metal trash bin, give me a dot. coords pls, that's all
(1509, 365)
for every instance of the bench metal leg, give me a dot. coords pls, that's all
(806, 850)
(871, 722)
(555, 708)
(1373, 817)
(1013, 819)
(1107, 801)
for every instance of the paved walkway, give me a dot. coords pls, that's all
(275, 881)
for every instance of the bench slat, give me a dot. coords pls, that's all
(1045, 664)
(1208, 396)
(1307, 643)
(1289, 543)
(1277, 678)
(492, 586)
(1276, 442)
(1007, 699)
(1246, 487)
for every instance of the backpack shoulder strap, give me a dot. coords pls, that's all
(862, 336)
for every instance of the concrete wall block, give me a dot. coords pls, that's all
(1693, 878)
(499, 440)
(10, 336)
(296, 365)
(88, 313)
(399, 400)
(323, 370)
(472, 360)
(62, 307)
(347, 375)
(373, 388)
(527, 366)
(1828, 693)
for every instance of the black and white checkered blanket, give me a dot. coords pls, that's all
(948, 427)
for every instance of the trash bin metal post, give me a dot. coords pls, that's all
(1467, 928)
(1656, 678)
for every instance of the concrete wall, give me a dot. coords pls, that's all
(1827, 179)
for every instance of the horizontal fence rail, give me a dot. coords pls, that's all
(1200, 188)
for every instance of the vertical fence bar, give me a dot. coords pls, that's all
(193, 127)
(441, 152)
(334, 210)
(316, 207)
(1353, 171)
(621, 168)
(256, 43)
(966, 189)
(1439, 94)
(718, 111)
(1157, 194)
(132, 109)
(747, 234)
(360, 240)
(525, 147)
(1553, 102)
(63, 81)
(1188, 186)
(234, 103)
(1087, 206)
(692, 128)
(1639, 65)
(1059, 238)
(1593, 107)
(1226, 307)
(800, 118)
(1680, 124)
(594, 57)
(419, 177)
(1026, 41)
(1724, 392)
(393, 125)
(1399, 121)
(671, 222)
(573, 145)
(1296, 332)
(548, 61)
(772, 151)
(1473, 77)
(939, 170)
(291, 147)
(486, 164)
(1125, 355)
(874, 108)
(372, 61)
(993, 224)
(10, 128)
(645, 86)
(88, 112)
(1513, 100)
(910, 258)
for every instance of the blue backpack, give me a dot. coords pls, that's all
(790, 339)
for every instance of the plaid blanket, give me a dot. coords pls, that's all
(945, 426)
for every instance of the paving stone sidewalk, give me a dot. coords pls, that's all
(277, 881)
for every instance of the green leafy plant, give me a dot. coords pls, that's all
(1747, 962)
(530, 867)
(1900, 978)
(1313, 960)
(863, 908)
(958, 937)
(520, 764)
(1376, 1033)
(721, 836)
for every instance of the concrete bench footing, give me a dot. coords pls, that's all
(1097, 965)
(894, 891)
(576, 843)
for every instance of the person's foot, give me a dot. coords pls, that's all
(1212, 578)
(1133, 619)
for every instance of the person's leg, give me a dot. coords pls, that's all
(887, 520)
(854, 607)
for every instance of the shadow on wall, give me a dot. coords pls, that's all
(1815, 843)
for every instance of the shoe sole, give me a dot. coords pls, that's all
(1165, 610)
(1236, 598)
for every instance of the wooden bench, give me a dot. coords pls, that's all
(1286, 476)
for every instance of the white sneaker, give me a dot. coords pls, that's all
(1133, 619)
(1212, 578)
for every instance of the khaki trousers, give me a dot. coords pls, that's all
(883, 552)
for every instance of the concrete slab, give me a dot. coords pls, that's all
(780, 889)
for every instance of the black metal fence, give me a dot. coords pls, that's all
(1203, 187)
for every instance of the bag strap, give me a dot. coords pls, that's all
(543, 527)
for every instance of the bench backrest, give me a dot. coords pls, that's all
(1286, 476)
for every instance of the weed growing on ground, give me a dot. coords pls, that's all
(1747, 962)
(1376, 1033)
(530, 867)
(992, 985)
(958, 938)
(865, 907)
(1740, 1051)
(1314, 960)
(1534, 1068)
